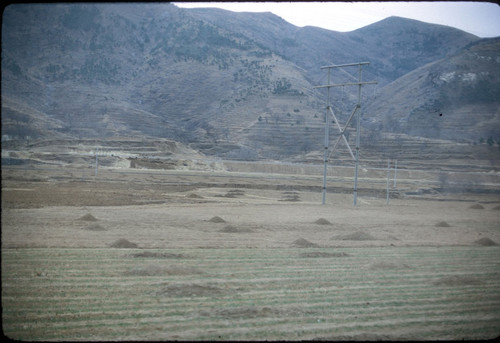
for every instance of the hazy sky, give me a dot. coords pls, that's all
(479, 18)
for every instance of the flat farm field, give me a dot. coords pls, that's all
(198, 257)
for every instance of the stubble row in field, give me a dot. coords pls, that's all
(289, 293)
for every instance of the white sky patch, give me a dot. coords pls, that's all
(479, 18)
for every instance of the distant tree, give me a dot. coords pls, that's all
(282, 86)
(490, 141)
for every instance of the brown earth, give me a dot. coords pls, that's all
(54, 206)
(245, 216)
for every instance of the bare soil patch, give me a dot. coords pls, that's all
(477, 207)
(324, 254)
(290, 196)
(233, 193)
(234, 229)
(94, 227)
(247, 312)
(192, 290)
(388, 265)
(356, 236)
(157, 255)
(124, 243)
(457, 280)
(160, 270)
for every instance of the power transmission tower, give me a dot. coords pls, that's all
(356, 111)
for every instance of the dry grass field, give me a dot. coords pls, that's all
(183, 255)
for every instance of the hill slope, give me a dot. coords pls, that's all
(455, 98)
(234, 85)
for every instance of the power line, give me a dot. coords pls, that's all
(356, 111)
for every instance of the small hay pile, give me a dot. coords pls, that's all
(322, 221)
(88, 218)
(304, 243)
(442, 224)
(486, 242)
(216, 219)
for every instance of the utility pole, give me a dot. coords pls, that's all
(395, 172)
(356, 110)
(96, 161)
(327, 138)
(387, 183)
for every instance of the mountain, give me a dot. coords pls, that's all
(455, 98)
(394, 46)
(232, 85)
(138, 69)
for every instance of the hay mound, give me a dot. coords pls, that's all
(88, 218)
(356, 236)
(304, 243)
(485, 242)
(322, 221)
(194, 196)
(442, 224)
(477, 207)
(496, 208)
(324, 254)
(95, 227)
(217, 219)
(123, 243)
